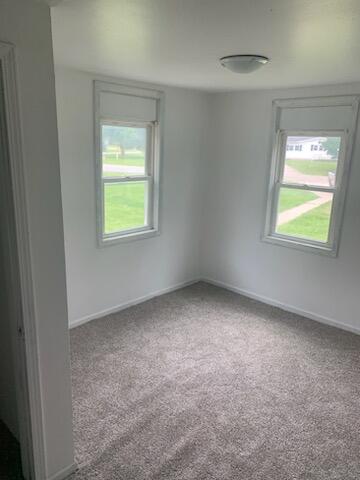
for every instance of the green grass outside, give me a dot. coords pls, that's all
(124, 206)
(113, 174)
(290, 198)
(313, 167)
(132, 159)
(313, 225)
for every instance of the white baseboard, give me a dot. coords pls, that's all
(284, 306)
(64, 473)
(261, 298)
(131, 303)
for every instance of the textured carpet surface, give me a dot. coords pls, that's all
(206, 384)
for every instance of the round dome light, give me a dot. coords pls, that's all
(243, 63)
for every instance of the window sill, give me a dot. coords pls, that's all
(297, 244)
(128, 237)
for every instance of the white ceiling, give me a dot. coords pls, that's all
(179, 42)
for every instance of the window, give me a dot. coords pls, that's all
(306, 193)
(127, 146)
(126, 176)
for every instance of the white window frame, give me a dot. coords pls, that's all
(152, 164)
(277, 161)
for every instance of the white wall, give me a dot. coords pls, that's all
(100, 279)
(27, 25)
(226, 137)
(233, 217)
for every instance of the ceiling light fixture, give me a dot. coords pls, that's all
(243, 63)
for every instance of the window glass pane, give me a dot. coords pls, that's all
(125, 206)
(311, 160)
(304, 214)
(123, 151)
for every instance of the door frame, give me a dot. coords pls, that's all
(25, 341)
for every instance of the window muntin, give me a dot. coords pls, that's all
(127, 177)
(306, 188)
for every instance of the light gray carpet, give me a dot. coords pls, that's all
(206, 384)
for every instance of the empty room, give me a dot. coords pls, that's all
(179, 211)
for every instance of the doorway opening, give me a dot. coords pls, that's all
(20, 399)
